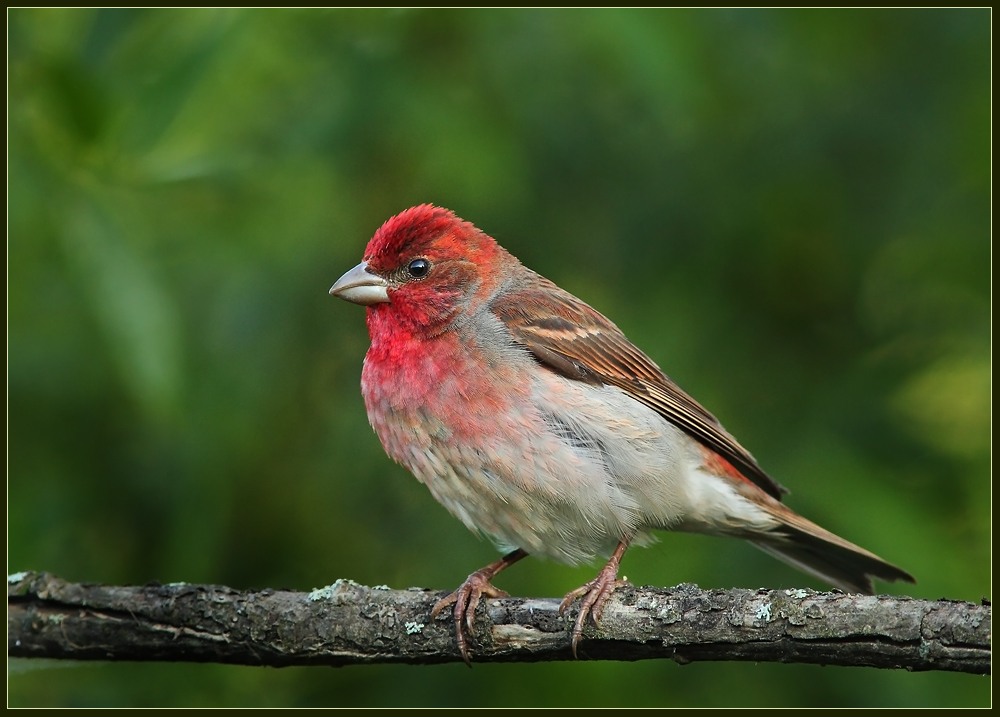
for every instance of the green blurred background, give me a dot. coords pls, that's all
(789, 211)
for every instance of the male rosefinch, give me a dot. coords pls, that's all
(535, 421)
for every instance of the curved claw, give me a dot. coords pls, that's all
(595, 594)
(466, 599)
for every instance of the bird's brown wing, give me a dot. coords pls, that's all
(570, 337)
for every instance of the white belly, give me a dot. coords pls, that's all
(565, 474)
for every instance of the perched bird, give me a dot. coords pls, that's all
(533, 419)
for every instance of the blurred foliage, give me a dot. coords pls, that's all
(788, 210)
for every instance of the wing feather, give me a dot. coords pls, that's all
(568, 336)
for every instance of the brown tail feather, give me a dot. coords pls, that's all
(829, 557)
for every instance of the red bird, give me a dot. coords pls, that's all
(533, 419)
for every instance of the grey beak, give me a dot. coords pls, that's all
(359, 286)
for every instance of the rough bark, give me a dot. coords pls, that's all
(347, 623)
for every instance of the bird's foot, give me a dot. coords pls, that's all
(466, 599)
(595, 594)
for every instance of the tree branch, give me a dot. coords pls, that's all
(347, 623)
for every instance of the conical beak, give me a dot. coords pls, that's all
(359, 286)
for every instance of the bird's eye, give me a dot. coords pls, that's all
(418, 268)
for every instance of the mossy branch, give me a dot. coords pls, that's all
(348, 623)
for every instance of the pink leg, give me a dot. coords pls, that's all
(595, 594)
(466, 598)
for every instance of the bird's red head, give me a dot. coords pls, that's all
(432, 232)
(432, 263)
